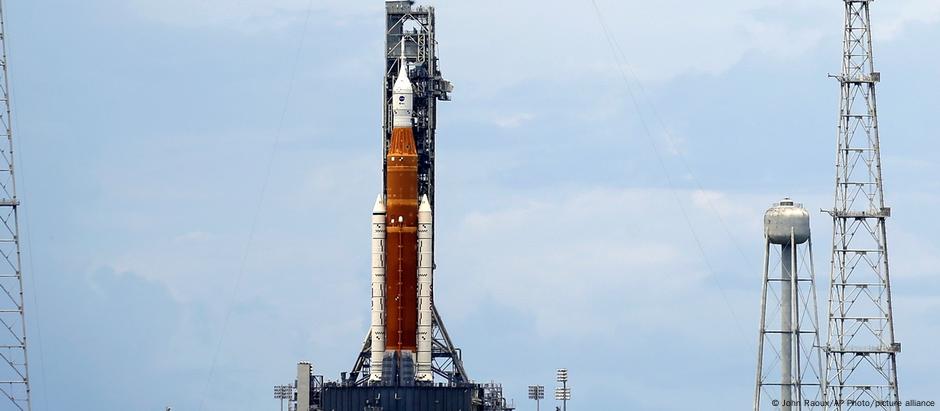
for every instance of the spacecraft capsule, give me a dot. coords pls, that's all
(402, 98)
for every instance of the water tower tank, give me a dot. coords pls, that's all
(786, 218)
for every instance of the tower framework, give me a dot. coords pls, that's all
(861, 366)
(14, 377)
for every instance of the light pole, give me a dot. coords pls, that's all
(562, 393)
(283, 392)
(536, 392)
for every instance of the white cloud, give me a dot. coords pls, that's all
(599, 260)
(660, 40)
(199, 256)
(193, 237)
(513, 120)
(250, 15)
(898, 15)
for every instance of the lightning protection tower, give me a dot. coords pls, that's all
(14, 377)
(789, 362)
(861, 367)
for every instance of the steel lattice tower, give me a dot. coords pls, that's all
(861, 351)
(14, 380)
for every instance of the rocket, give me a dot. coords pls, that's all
(402, 260)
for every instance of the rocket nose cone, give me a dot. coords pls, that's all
(379, 207)
(424, 205)
(403, 83)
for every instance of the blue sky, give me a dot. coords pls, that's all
(145, 130)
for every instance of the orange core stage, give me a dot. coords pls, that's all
(401, 253)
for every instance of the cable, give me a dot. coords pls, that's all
(620, 60)
(685, 164)
(258, 208)
(662, 124)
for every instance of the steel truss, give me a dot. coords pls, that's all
(446, 358)
(14, 377)
(861, 368)
(415, 26)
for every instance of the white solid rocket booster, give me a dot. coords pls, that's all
(425, 283)
(378, 289)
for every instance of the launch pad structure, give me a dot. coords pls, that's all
(407, 361)
(410, 37)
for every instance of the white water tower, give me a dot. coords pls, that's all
(789, 362)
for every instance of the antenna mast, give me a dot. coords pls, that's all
(861, 368)
(14, 377)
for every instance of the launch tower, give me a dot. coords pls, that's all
(407, 361)
(14, 377)
(861, 351)
(411, 54)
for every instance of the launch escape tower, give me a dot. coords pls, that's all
(789, 361)
(861, 351)
(14, 380)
